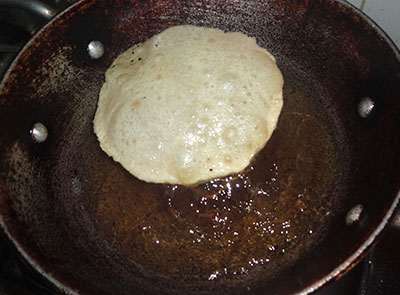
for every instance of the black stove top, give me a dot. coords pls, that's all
(377, 274)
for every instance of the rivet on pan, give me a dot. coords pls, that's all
(95, 49)
(365, 107)
(354, 215)
(39, 132)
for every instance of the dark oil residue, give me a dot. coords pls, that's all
(244, 227)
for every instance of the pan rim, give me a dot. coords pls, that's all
(32, 40)
(36, 265)
(357, 255)
(381, 32)
(342, 268)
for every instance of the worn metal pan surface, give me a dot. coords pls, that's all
(91, 228)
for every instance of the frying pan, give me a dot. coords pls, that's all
(79, 218)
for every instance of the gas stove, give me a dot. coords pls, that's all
(377, 274)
